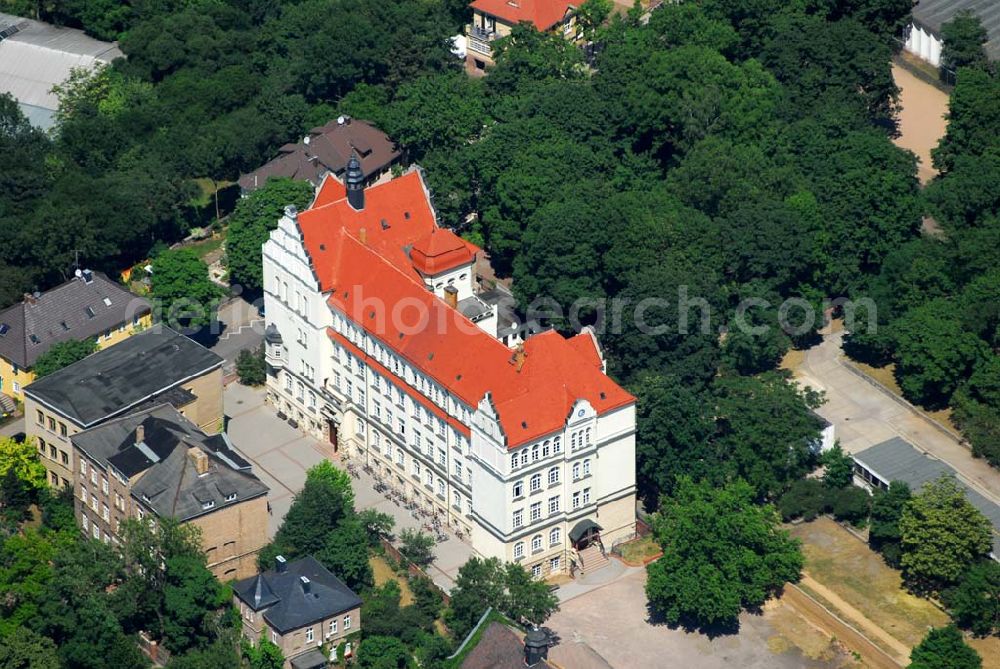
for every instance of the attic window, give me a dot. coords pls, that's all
(604, 395)
(371, 314)
(524, 424)
(430, 356)
(107, 301)
(230, 498)
(64, 326)
(322, 247)
(400, 335)
(90, 312)
(458, 377)
(385, 224)
(4, 329)
(208, 505)
(406, 215)
(34, 339)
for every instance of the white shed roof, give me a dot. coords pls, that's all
(38, 56)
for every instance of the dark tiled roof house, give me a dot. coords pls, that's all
(150, 368)
(88, 306)
(157, 462)
(298, 605)
(326, 149)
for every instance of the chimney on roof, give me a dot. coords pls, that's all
(363, 236)
(199, 459)
(306, 584)
(29, 298)
(451, 296)
(88, 276)
(140, 433)
(292, 212)
(280, 564)
(518, 357)
(354, 179)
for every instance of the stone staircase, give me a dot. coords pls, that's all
(593, 559)
(7, 405)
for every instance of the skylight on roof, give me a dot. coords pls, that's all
(64, 326)
(4, 329)
(107, 301)
(34, 339)
(90, 312)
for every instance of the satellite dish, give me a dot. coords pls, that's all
(78, 273)
(340, 120)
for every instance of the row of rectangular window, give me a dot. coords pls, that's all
(555, 538)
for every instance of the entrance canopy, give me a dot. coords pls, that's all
(583, 528)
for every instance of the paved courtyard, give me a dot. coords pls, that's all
(281, 455)
(608, 627)
(865, 415)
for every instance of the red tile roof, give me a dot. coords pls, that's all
(543, 14)
(441, 250)
(374, 284)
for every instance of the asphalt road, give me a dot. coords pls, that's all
(865, 415)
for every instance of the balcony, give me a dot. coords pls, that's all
(480, 39)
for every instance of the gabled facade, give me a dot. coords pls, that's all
(493, 19)
(369, 349)
(87, 306)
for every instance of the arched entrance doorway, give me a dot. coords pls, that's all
(585, 533)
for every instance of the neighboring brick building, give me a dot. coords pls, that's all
(155, 366)
(299, 606)
(156, 462)
(87, 306)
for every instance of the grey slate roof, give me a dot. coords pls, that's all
(286, 604)
(39, 56)
(119, 378)
(169, 483)
(897, 460)
(61, 314)
(932, 14)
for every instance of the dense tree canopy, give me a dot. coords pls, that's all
(251, 222)
(722, 553)
(944, 647)
(941, 534)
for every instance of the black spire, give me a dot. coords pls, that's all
(354, 180)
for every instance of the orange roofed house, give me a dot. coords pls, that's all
(493, 19)
(379, 343)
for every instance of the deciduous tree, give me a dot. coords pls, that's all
(62, 354)
(723, 553)
(944, 647)
(941, 534)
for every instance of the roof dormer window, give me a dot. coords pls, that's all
(208, 505)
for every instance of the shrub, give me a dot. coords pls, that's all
(806, 499)
(851, 504)
(251, 368)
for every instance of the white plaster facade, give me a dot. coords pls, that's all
(355, 392)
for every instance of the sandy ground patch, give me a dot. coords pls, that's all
(921, 118)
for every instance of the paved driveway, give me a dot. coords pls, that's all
(282, 454)
(865, 415)
(609, 627)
